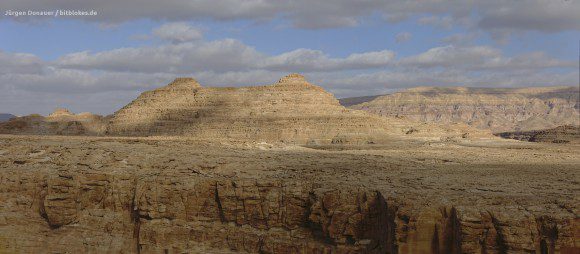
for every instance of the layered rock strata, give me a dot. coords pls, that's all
(119, 195)
(495, 109)
(290, 111)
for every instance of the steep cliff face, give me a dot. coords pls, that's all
(120, 195)
(499, 110)
(60, 122)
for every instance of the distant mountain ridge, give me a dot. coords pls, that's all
(5, 117)
(60, 122)
(291, 110)
(351, 101)
(495, 109)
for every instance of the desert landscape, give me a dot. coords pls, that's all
(284, 168)
(289, 127)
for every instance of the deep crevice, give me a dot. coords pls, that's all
(136, 220)
(219, 203)
(500, 241)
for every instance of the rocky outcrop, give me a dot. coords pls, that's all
(291, 110)
(495, 109)
(60, 122)
(562, 134)
(120, 195)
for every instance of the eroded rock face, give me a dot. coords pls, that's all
(265, 216)
(291, 110)
(499, 110)
(119, 195)
(104, 212)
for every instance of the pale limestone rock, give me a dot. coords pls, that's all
(495, 109)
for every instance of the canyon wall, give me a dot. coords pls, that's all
(495, 109)
(92, 195)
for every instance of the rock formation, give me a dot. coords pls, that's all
(499, 110)
(405, 187)
(60, 122)
(290, 111)
(153, 195)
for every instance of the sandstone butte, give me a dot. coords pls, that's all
(303, 188)
(495, 109)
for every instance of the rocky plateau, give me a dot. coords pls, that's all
(174, 195)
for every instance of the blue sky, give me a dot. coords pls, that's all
(351, 48)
